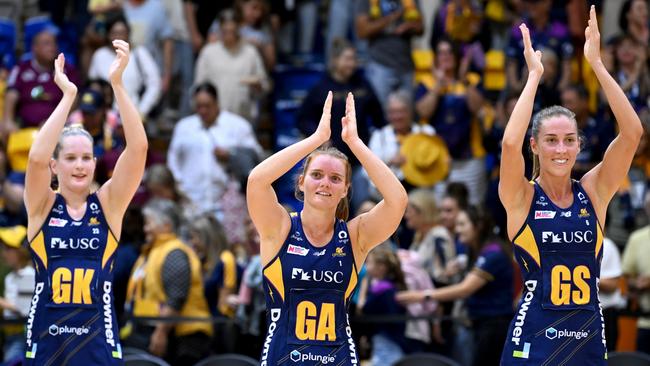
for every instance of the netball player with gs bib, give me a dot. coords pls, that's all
(73, 233)
(555, 223)
(311, 257)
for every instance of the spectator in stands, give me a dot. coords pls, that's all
(31, 94)
(631, 71)
(141, 77)
(98, 120)
(389, 25)
(451, 105)
(342, 78)
(488, 288)
(166, 282)
(183, 60)
(223, 279)
(18, 287)
(95, 32)
(462, 22)
(200, 16)
(12, 182)
(384, 279)
(544, 33)
(206, 236)
(386, 142)
(151, 29)
(204, 149)
(251, 311)
(636, 268)
(596, 133)
(255, 28)
(234, 65)
(633, 20)
(160, 183)
(609, 292)
(432, 241)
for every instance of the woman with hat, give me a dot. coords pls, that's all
(556, 223)
(73, 232)
(311, 257)
(19, 284)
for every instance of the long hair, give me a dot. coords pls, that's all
(485, 231)
(343, 207)
(538, 120)
(393, 266)
(212, 234)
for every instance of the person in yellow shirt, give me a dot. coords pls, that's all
(166, 281)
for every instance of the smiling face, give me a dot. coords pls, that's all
(556, 145)
(465, 228)
(449, 209)
(325, 181)
(74, 165)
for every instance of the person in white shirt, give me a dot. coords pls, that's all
(385, 142)
(611, 299)
(235, 66)
(202, 147)
(141, 77)
(19, 286)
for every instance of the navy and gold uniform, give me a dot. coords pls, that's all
(559, 320)
(71, 319)
(308, 291)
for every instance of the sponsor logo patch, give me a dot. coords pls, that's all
(541, 215)
(55, 222)
(297, 250)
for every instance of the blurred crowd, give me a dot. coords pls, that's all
(221, 84)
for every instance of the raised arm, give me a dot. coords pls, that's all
(603, 180)
(377, 225)
(117, 192)
(269, 217)
(513, 185)
(38, 194)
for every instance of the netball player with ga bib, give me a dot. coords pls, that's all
(555, 223)
(74, 232)
(311, 257)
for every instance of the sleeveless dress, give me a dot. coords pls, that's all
(71, 319)
(559, 320)
(308, 291)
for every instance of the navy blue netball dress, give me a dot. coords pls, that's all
(559, 320)
(308, 291)
(71, 320)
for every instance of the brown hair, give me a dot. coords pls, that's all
(541, 116)
(338, 46)
(343, 208)
(394, 271)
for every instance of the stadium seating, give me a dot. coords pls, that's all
(7, 43)
(143, 360)
(628, 359)
(426, 359)
(229, 359)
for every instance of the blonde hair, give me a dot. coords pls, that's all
(74, 130)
